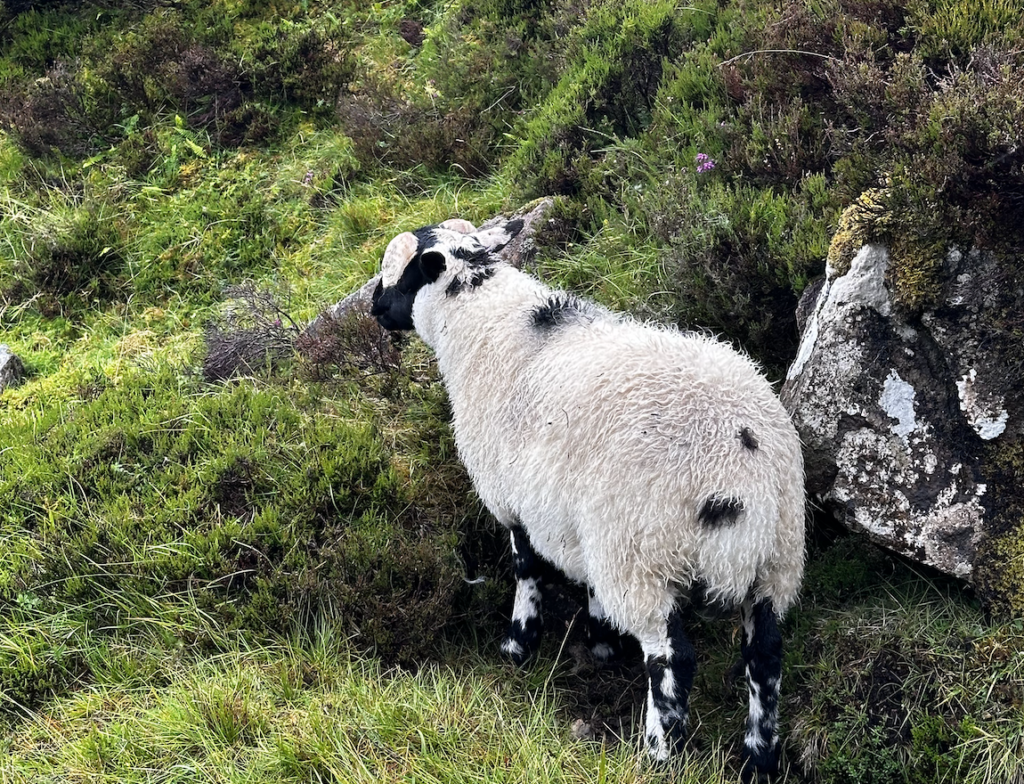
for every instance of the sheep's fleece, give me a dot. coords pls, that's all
(640, 460)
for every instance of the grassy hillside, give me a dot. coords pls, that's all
(230, 556)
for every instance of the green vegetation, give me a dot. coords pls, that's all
(229, 555)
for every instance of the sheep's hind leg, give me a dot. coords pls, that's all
(525, 630)
(671, 663)
(762, 652)
(604, 640)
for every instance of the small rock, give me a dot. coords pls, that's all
(12, 371)
(583, 730)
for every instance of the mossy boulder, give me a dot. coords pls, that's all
(912, 418)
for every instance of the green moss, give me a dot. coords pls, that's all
(915, 272)
(1003, 576)
(858, 226)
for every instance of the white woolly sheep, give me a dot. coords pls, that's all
(648, 464)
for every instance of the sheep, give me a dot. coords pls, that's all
(651, 465)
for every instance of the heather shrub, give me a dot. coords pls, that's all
(737, 258)
(186, 62)
(253, 332)
(64, 111)
(392, 131)
(351, 341)
(958, 176)
(307, 64)
(162, 67)
(929, 121)
(957, 27)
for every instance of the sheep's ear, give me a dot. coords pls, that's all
(432, 264)
(457, 224)
(398, 253)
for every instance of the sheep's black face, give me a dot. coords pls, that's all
(391, 308)
(392, 304)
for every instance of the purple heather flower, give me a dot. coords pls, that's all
(704, 163)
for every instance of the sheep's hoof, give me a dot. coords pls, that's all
(604, 641)
(759, 766)
(513, 649)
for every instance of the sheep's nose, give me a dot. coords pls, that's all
(378, 307)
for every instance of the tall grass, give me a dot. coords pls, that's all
(307, 710)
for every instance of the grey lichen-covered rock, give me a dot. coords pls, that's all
(11, 368)
(899, 415)
(513, 236)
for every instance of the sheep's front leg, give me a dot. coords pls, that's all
(762, 652)
(527, 624)
(671, 663)
(604, 640)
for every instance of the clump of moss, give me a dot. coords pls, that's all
(858, 225)
(1002, 579)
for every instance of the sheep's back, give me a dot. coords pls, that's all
(614, 439)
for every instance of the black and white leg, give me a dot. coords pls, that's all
(671, 663)
(604, 640)
(762, 653)
(525, 629)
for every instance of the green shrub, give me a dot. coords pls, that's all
(957, 27)
(307, 63)
(615, 63)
